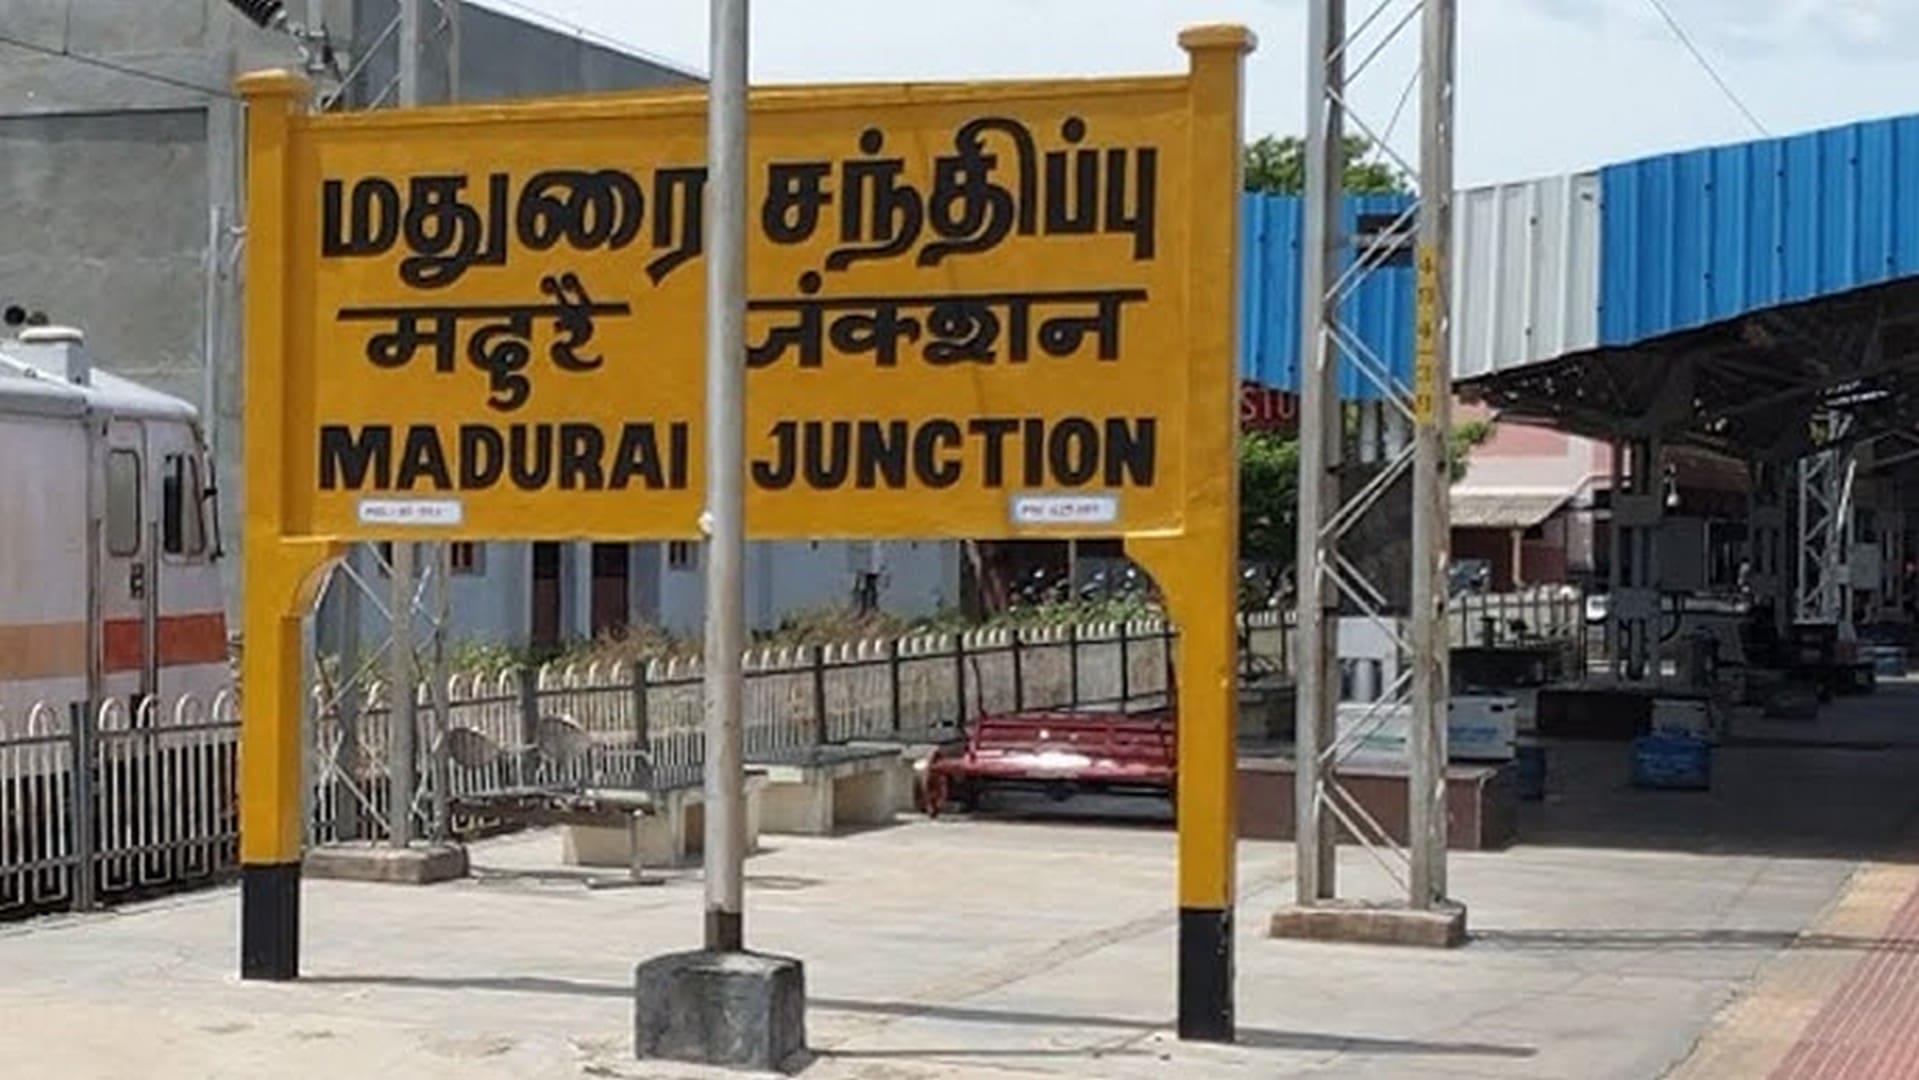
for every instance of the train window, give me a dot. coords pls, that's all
(182, 522)
(123, 503)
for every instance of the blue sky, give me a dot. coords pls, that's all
(1546, 86)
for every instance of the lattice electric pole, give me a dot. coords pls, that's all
(1824, 593)
(1414, 677)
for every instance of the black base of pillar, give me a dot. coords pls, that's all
(1206, 974)
(725, 931)
(270, 921)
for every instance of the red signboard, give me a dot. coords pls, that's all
(1262, 408)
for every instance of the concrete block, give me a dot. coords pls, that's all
(669, 836)
(907, 774)
(905, 779)
(809, 801)
(1481, 801)
(800, 807)
(423, 864)
(866, 798)
(1373, 924)
(692, 841)
(642, 840)
(738, 1010)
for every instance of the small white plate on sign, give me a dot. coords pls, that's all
(425, 513)
(1065, 509)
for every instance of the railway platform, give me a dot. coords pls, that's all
(1628, 934)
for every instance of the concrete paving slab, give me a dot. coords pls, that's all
(1028, 946)
(956, 945)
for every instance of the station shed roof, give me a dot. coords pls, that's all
(1720, 295)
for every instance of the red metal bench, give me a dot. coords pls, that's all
(1059, 753)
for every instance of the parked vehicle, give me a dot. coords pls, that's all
(1057, 752)
(109, 579)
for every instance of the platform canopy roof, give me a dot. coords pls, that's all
(1747, 295)
(1734, 297)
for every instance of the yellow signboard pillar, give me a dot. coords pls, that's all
(1197, 570)
(282, 574)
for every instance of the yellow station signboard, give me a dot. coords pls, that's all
(982, 310)
(968, 314)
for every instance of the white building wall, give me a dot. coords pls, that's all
(489, 604)
(917, 578)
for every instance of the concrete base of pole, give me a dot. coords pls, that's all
(737, 1010)
(421, 864)
(1361, 923)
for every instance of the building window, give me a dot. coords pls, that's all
(123, 503)
(464, 557)
(182, 517)
(681, 555)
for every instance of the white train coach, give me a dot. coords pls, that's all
(109, 583)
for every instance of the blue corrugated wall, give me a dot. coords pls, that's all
(1704, 235)
(1269, 304)
(1686, 239)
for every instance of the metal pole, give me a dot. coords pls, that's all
(441, 690)
(404, 693)
(1432, 421)
(959, 681)
(409, 53)
(210, 325)
(725, 474)
(349, 762)
(1371, 436)
(1319, 436)
(1613, 625)
(401, 725)
(86, 715)
(82, 719)
(453, 46)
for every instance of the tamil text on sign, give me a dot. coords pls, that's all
(966, 315)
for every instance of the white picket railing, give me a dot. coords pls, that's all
(625, 724)
(156, 807)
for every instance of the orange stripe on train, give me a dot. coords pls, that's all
(184, 640)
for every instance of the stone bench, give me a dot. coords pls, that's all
(916, 751)
(814, 790)
(656, 827)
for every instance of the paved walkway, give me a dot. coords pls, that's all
(1841, 1004)
(933, 949)
(1632, 933)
